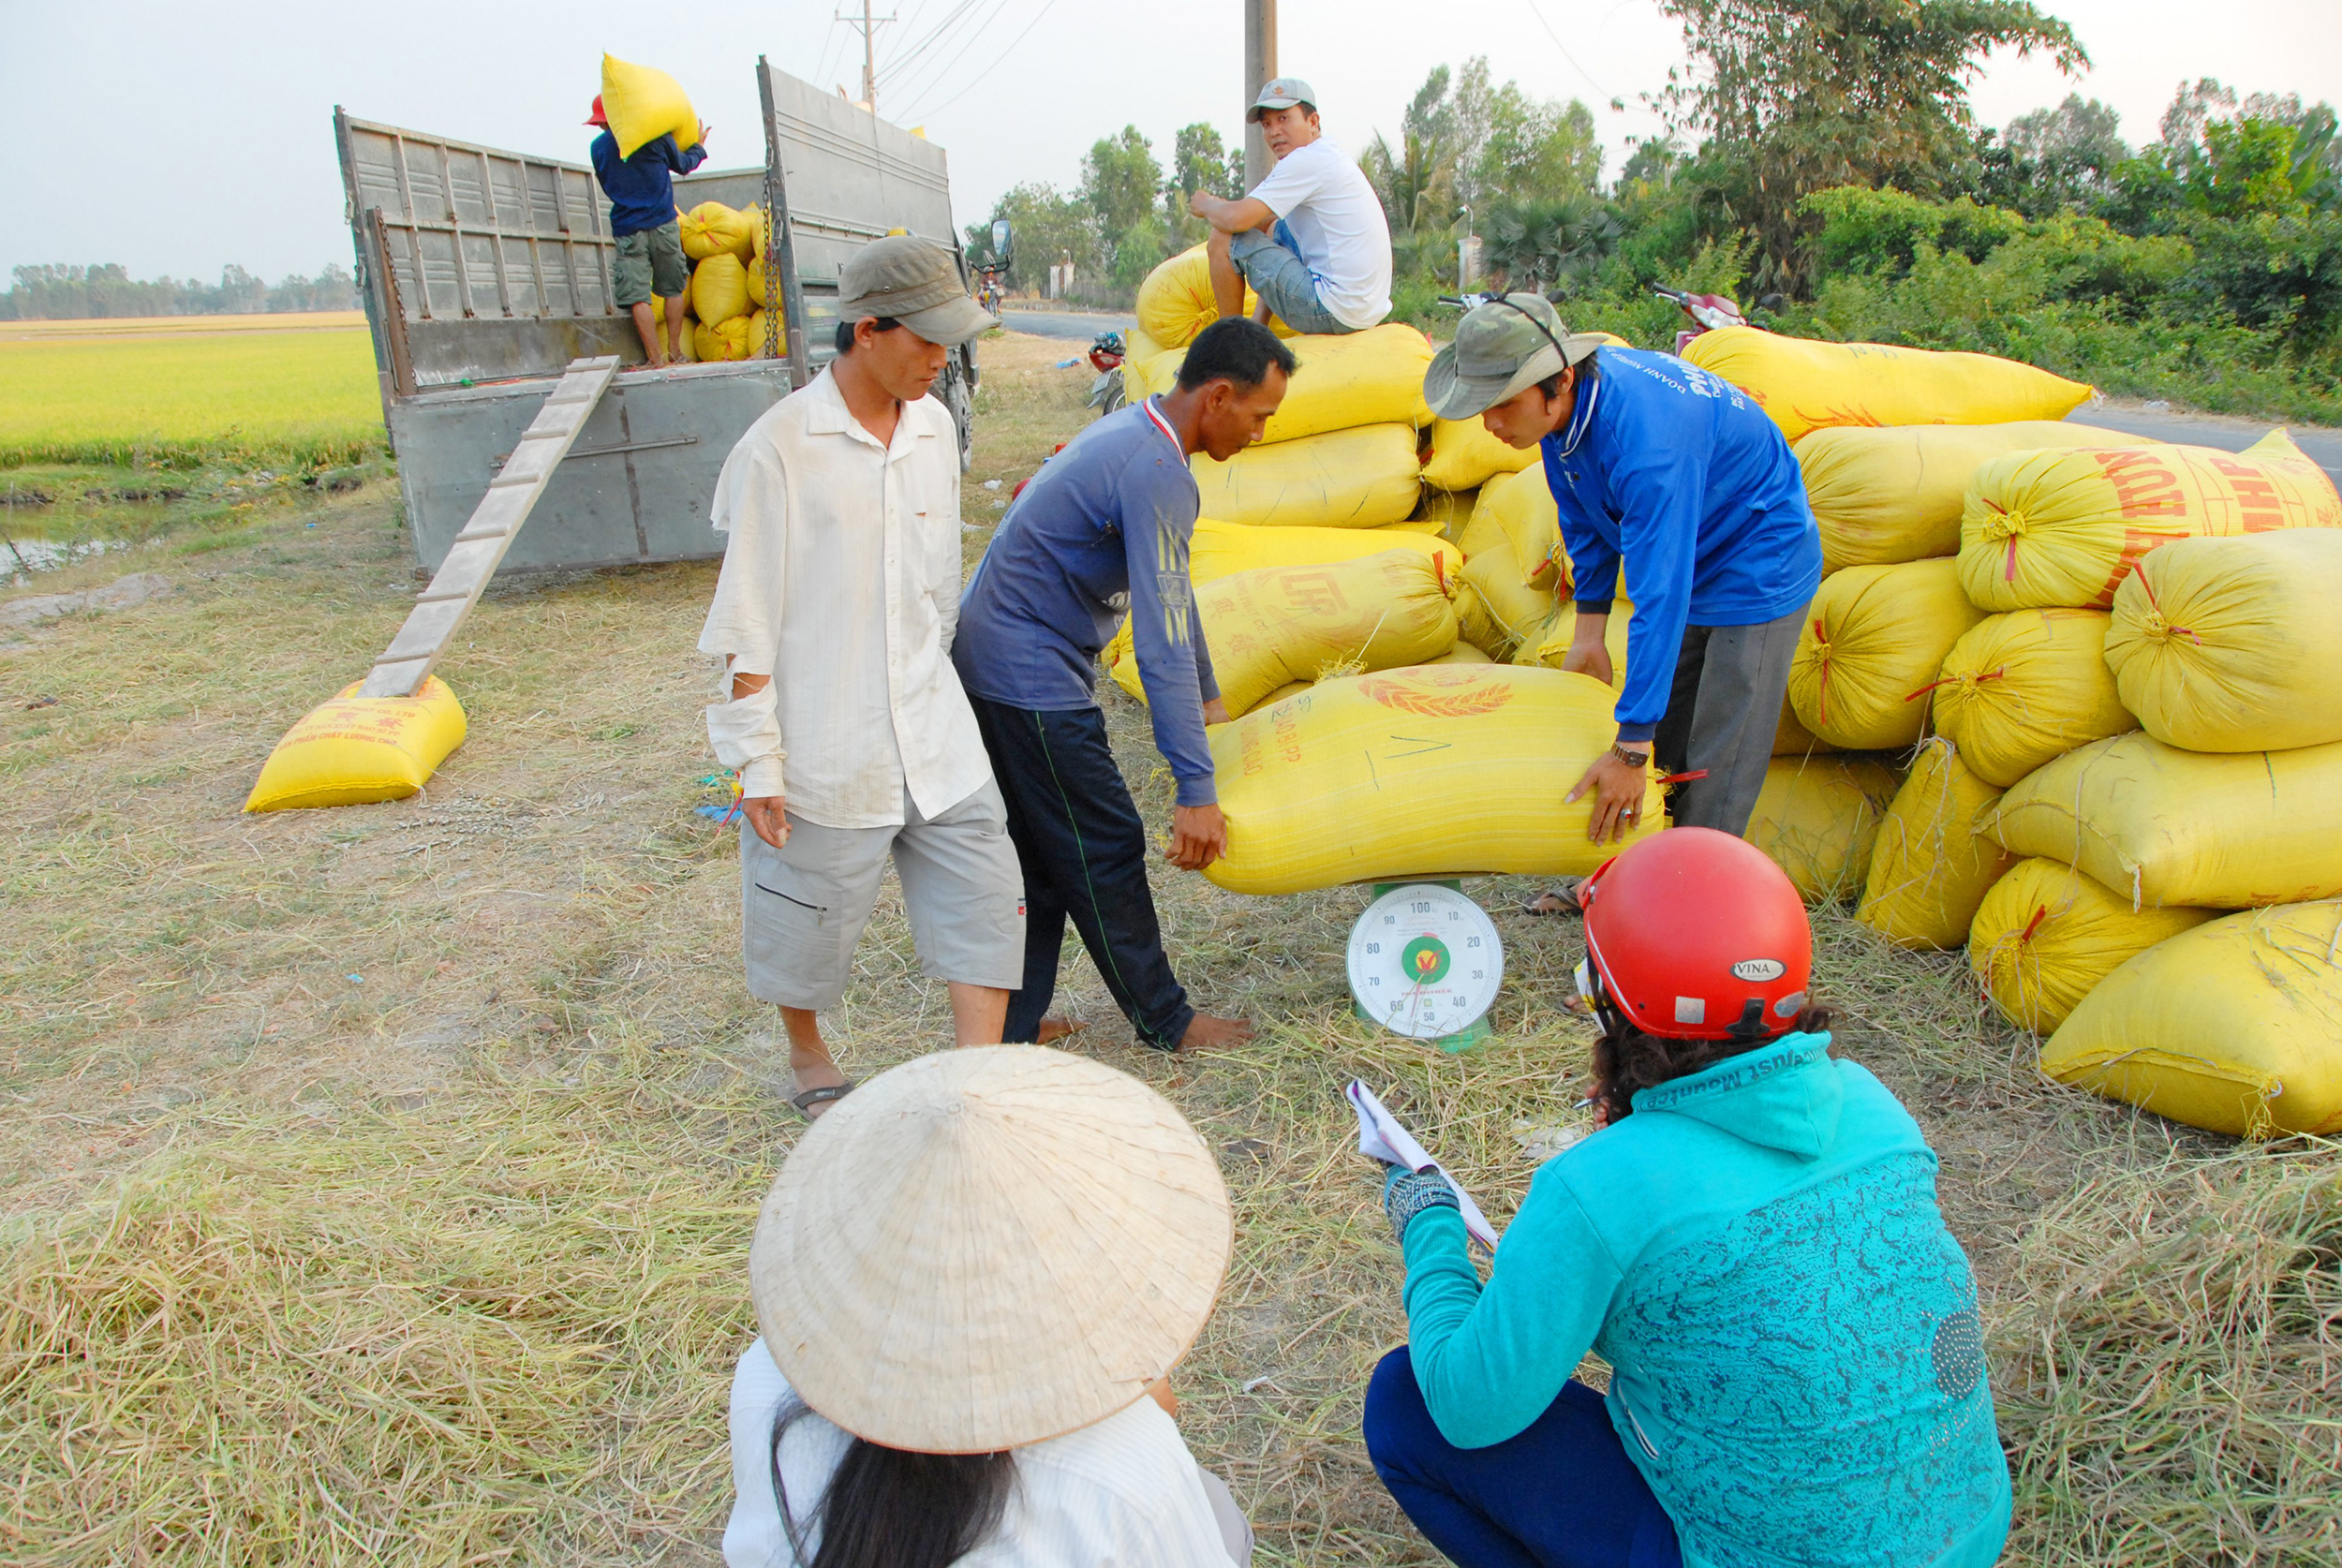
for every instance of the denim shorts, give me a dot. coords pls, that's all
(1274, 268)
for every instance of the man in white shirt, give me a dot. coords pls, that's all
(1311, 239)
(834, 615)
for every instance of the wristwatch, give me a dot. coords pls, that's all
(1632, 759)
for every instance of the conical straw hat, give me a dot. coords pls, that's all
(988, 1247)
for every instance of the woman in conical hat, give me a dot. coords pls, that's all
(974, 1278)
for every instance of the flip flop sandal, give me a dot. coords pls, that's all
(812, 1097)
(1564, 896)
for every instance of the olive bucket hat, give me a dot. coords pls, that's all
(1501, 347)
(913, 281)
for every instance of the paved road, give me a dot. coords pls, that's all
(1078, 325)
(2230, 434)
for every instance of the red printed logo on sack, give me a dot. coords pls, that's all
(1462, 692)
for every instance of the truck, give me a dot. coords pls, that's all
(485, 273)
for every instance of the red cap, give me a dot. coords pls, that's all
(1698, 935)
(599, 118)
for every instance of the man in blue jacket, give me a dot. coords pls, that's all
(650, 258)
(1104, 522)
(1679, 479)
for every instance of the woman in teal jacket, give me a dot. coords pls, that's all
(1752, 1242)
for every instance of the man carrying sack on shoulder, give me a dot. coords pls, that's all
(1311, 239)
(1677, 479)
(834, 615)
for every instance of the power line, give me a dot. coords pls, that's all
(930, 73)
(939, 109)
(895, 69)
(1608, 95)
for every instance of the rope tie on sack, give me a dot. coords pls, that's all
(2010, 525)
(2154, 622)
(1958, 680)
(1821, 638)
(2032, 925)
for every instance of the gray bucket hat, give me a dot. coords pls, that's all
(1501, 347)
(915, 282)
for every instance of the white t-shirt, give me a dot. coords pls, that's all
(1338, 221)
(1120, 1493)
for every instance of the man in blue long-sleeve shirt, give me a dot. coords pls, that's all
(650, 258)
(1109, 520)
(1679, 477)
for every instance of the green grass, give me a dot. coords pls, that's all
(184, 399)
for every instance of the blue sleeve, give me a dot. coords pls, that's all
(606, 159)
(1489, 1360)
(684, 161)
(1158, 508)
(1660, 487)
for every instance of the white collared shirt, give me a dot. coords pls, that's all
(841, 581)
(1123, 1492)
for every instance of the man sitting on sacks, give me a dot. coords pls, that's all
(834, 615)
(1106, 522)
(1677, 477)
(1311, 239)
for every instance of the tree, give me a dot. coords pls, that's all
(1799, 95)
(1536, 149)
(1200, 160)
(1550, 241)
(1048, 227)
(1120, 182)
(1417, 181)
(2047, 160)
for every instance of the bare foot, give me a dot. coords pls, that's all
(822, 1075)
(1206, 1032)
(1562, 899)
(1053, 1030)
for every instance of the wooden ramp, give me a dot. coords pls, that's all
(473, 557)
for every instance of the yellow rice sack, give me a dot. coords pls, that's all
(1343, 380)
(1462, 653)
(2160, 825)
(2234, 644)
(713, 229)
(1283, 624)
(2235, 1026)
(1465, 455)
(349, 749)
(1929, 869)
(1176, 301)
(643, 104)
(1345, 478)
(1447, 510)
(1509, 611)
(2022, 687)
(1805, 385)
(753, 216)
(719, 288)
(1548, 645)
(1138, 353)
(1443, 771)
(722, 340)
(1520, 506)
(1873, 639)
(753, 278)
(1220, 550)
(1893, 493)
(1818, 819)
(1481, 531)
(1792, 739)
(2066, 527)
(2046, 935)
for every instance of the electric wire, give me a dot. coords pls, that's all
(929, 111)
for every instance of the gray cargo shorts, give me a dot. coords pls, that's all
(803, 906)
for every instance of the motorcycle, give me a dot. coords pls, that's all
(1107, 353)
(1708, 313)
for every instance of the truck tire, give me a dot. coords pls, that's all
(961, 400)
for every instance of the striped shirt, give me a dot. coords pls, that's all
(1120, 1493)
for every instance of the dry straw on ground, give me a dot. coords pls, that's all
(380, 1180)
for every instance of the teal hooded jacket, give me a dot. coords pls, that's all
(1798, 1369)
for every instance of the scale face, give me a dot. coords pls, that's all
(1425, 961)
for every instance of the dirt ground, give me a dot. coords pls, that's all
(516, 997)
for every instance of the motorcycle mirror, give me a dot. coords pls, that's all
(1000, 237)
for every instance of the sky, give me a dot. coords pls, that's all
(178, 139)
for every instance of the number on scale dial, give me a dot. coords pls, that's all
(1426, 961)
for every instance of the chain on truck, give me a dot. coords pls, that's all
(485, 273)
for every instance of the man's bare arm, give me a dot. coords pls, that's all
(1231, 217)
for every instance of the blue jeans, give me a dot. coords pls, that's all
(1562, 1494)
(1274, 268)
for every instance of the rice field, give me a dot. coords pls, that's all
(186, 391)
(377, 1184)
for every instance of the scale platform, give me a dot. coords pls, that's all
(1425, 961)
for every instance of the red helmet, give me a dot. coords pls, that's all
(1698, 935)
(599, 118)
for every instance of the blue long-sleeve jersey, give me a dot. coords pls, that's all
(642, 189)
(1110, 517)
(1682, 476)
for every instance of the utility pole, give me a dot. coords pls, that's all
(1260, 67)
(870, 25)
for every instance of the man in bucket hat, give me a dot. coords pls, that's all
(834, 615)
(1311, 239)
(1679, 479)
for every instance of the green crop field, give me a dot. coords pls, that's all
(186, 391)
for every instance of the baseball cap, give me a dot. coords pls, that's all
(1501, 347)
(1283, 93)
(915, 281)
